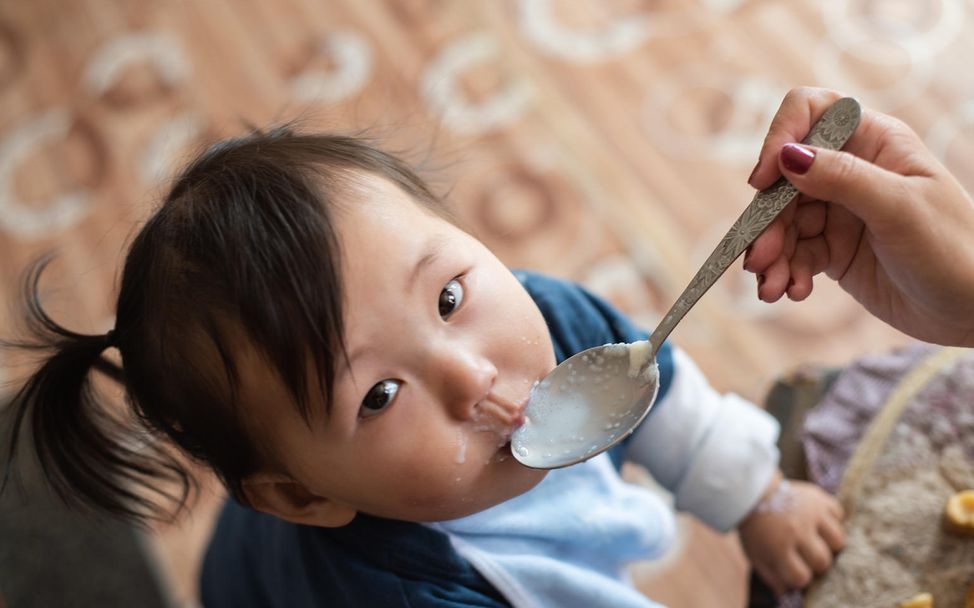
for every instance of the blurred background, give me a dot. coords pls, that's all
(605, 141)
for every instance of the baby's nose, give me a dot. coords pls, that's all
(465, 379)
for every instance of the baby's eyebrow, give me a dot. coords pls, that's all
(431, 251)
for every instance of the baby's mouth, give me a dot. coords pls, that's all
(499, 415)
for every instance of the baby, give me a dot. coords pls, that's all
(304, 316)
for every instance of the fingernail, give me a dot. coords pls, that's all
(796, 159)
(754, 172)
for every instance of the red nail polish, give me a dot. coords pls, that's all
(796, 159)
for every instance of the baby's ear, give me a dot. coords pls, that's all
(283, 497)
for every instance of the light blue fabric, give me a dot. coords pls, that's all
(568, 541)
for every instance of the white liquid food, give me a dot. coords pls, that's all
(594, 407)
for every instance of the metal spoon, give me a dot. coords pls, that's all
(596, 398)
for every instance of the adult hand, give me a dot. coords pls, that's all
(792, 534)
(882, 217)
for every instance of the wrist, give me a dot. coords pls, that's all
(774, 496)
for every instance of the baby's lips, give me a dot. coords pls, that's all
(515, 413)
(516, 421)
(508, 412)
(519, 419)
(502, 416)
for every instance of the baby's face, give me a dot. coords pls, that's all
(444, 346)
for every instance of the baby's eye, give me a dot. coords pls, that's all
(450, 298)
(379, 397)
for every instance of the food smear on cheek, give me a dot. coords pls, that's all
(461, 455)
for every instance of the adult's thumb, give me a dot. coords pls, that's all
(840, 177)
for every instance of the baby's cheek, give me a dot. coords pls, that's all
(425, 485)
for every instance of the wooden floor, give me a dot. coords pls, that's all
(607, 141)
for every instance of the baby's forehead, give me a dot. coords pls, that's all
(348, 188)
(358, 186)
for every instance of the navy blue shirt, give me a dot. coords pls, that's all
(256, 560)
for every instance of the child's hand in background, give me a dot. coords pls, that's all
(792, 533)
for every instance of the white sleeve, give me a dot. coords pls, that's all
(715, 453)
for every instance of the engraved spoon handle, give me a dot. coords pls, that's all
(831, 131)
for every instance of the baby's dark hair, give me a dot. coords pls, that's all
(243, 246)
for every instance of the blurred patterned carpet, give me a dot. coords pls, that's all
(607, 141)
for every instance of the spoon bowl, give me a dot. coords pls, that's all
(596, 398)
(561, 426)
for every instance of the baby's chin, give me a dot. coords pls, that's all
(517, 481)
(534, 477)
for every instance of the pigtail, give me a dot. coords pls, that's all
(87, 454)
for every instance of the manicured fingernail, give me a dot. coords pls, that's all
(796, 159)
(753, 173)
